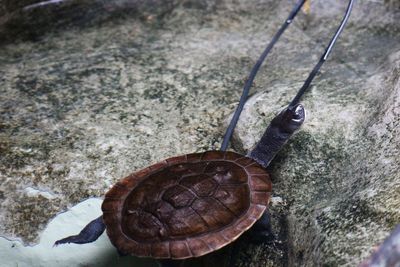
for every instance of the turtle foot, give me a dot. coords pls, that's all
(261, 232)
(89, 234)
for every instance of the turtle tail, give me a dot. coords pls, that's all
(89, 234)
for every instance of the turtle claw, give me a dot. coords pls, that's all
(89, 234)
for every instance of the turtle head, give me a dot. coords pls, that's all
(290, 119)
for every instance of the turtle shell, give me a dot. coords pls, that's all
(186, 206)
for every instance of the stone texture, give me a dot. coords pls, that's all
(90, 92)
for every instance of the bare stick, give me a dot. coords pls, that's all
(252, 75)
(323, 58)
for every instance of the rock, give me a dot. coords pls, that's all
(91, 92)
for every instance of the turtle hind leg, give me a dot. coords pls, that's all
(261, 232)
(89, 234)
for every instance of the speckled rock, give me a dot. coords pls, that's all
(91, 92)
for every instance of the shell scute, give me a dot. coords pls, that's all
(226, 172)
(261, 183)
(212, 155)
(111, 205)
(178, 196)
(175, 160)
(178, 226)
(233, 197)
(260, 198)
(232, 156)
(194, 157)
(128, 182)
(160, 250)
(142, 225)
(255, 169)
(199, 247)
(202, 185)
(158, 166)
(245, 161)
(180, 250)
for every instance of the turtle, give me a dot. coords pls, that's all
(186, 206)
(190, 205)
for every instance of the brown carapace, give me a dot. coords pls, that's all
(186, 206)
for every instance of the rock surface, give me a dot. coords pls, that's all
(91, 92)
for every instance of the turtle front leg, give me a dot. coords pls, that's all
(89, 234)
